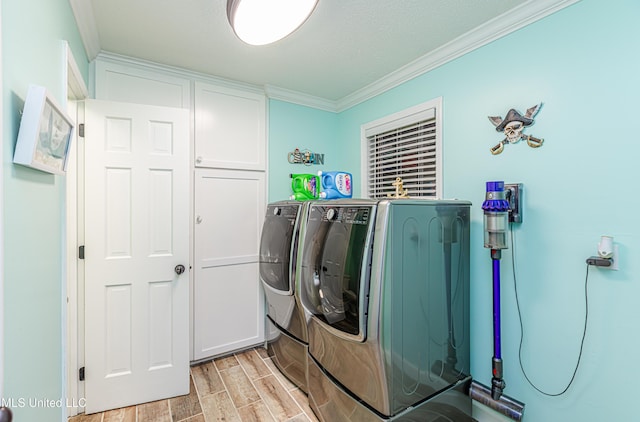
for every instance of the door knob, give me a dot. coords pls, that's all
(5, 414)
(179, 269)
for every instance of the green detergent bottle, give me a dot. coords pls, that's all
(305, 187)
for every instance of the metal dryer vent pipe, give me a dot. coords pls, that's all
(505, 405)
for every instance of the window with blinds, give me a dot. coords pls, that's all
(405, 145)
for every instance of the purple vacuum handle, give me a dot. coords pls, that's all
(497, 383)
(497, 349)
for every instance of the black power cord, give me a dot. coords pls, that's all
(584, 332)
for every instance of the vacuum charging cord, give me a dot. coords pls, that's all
(584, 331)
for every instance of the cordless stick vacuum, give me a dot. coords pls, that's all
(496, 220)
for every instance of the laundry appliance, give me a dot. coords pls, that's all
(386, 285)
(286, 325)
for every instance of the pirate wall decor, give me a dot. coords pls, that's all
(512, 126)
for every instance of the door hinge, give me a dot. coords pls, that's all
(81, 374)
(81, 130)
(81, 252)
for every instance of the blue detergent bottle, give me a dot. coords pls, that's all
(305, 187)
(336, 184)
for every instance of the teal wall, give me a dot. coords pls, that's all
(582, 63)
(34, 290)
(292, 126)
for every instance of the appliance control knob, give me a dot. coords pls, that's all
(331, 214)
(276, 211)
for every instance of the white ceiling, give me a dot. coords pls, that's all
(345, 47)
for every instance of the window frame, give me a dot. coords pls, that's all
(397, 120)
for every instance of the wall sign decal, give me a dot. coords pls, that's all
(512, 126)
(305, 157)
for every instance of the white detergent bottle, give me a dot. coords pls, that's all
(335, 184)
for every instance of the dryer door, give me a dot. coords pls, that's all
(276, 247)
(335, 266)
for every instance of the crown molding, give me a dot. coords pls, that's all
(86, 22)
(508, 22)
(300, 98)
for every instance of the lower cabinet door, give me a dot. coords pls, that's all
(228, 303)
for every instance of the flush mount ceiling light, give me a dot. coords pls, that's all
(260, 22)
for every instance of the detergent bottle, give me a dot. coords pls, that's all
(335, 184)
(305, 186)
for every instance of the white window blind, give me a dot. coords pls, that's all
(405, 145)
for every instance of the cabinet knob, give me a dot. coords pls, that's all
(198, 160)
(198, 220)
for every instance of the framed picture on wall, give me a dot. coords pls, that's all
(45, 133)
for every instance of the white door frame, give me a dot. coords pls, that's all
(76, 90)
(1, 221)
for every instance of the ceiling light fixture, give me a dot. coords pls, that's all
(260, 22)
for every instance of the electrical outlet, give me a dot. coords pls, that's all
(615, 258)
(606, 263)
(514, 196)
(615, 263)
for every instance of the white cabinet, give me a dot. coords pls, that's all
(128, 83)
(228, 301)
(230, 197)
(229, 128)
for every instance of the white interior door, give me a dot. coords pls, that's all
(136, 233)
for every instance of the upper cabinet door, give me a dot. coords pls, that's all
(134, 84)
(229, 128)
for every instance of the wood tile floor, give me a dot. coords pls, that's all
(243, 387)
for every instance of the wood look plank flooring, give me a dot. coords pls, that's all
(243, 387)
